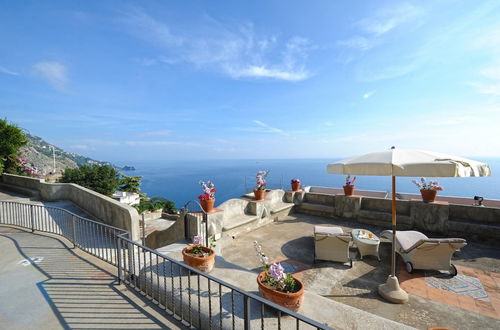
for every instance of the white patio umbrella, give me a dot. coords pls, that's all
(409, 163)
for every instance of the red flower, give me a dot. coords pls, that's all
(204, 197)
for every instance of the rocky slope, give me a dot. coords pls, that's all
(41, 153)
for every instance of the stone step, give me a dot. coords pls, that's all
(383, 217)
(238, 222)
(316, 209)
(458, 227)
(278, 207)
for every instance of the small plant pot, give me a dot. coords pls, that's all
(207, 205)
(259, 195)
(295, 186)
(291, 301)
(205, 264)
(428, 196)
(348, 190)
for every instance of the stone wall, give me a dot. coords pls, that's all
(441, 217)
(102, 207)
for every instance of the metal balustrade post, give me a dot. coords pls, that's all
(32, 218)
(73, 228)
(143, 230)
(119, 257)
(246, 312)
(205, 218)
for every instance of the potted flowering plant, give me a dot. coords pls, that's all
(295, 184)
(260, 188)
(198, 256)
(428, 190)
(277, 286)
(349, 185)
(207, 199)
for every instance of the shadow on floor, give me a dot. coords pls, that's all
(80, 293)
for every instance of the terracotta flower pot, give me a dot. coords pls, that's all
(259, 194)
(348, 190)
(205, 264)
(428, 196)
(295, 186)
(291, 301)
(207, 204)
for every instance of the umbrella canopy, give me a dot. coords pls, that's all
(401, 162)
(413, 163)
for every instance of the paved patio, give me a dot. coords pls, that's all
(47, 285)
(435, 298)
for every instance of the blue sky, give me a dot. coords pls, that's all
(155, 80)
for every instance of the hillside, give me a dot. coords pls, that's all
(41, 153)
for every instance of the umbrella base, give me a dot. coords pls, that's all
(391, 291)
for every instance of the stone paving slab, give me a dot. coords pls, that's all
(291, 240)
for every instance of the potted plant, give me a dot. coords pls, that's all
(295, 184)
(349, 185)
(198, 256)
(207, 199)
(277, 286)
(260, 189)
(428, 190)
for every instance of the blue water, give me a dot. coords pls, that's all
(178, 180)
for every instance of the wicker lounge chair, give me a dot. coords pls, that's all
(420, 252)
(331, 244)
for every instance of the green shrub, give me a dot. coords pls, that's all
(154, 204)
(100, 178)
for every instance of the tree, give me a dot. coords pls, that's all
(12, 139)
(130, 183)
(100, 178)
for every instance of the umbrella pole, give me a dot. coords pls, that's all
(393, 251)
(390, 290)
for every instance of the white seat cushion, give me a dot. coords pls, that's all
(327, 230)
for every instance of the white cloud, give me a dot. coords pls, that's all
(7, 71)
(150, 29)
(368, 94)
(262, 72)
(389, 18)
(160, 143)
(491, 72)
(235, 51)
(81, 147)
(375, 71)
(99, 142)
(358, 42)
(54, 73)
(270, 129)
(373, 28)
(163, 132)
(488, 39)
(487, 88)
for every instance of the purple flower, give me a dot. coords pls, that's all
(197, 240)
(276, 271)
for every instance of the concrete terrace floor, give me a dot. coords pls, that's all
(291, 242)
(47, 285)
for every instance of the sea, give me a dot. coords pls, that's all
(179, 180)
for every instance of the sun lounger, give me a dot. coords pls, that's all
(331, 244)
(420, 252)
